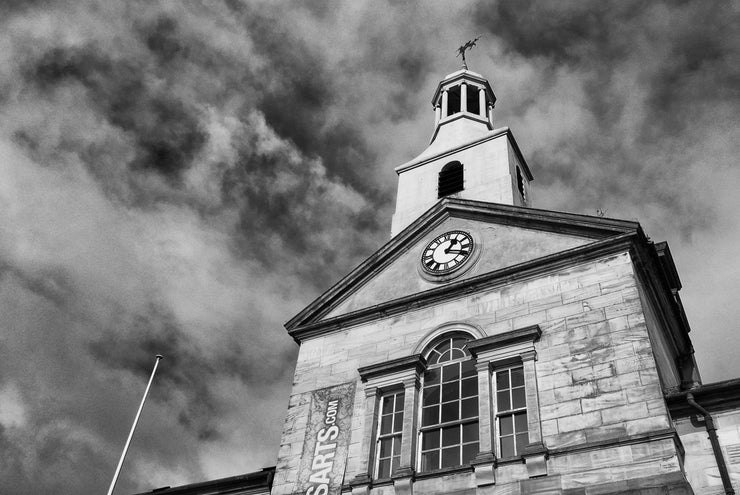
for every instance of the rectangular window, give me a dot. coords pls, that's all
(449, 416)
(390, 425)
(511, 412)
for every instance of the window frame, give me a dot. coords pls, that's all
(392, 434)
(499, 352)
(511, 412)
(381, 380)
(441, 426)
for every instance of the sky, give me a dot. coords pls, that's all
(184, 177)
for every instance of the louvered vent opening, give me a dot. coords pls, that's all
(520, 184)
(450, 179)
(733, 453)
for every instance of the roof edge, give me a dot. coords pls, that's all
(569, 223)
(524, 270)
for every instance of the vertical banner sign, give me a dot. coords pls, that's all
(327, 441)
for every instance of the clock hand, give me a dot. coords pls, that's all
(448, 251)
(452, 243)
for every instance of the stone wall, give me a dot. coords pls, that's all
(700, 463)
(603, 417)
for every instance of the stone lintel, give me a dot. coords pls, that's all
(415, 363)
(526, 334)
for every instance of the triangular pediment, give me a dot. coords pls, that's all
(506, 237)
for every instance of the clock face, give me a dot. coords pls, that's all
(447, 252)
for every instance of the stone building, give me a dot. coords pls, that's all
(494, 348)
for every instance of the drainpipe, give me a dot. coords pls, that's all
(712, 431)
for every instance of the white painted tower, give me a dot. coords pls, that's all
(467, 157)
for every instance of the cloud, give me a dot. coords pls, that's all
(183, 178)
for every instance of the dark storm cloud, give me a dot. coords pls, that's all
(187, 370)
(684, 71)
(166, 131)
(296, 94)
(180, 178)
(566, 32)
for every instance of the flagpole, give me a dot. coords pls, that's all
(133, 427)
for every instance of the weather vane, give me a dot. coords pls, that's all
(467, 46)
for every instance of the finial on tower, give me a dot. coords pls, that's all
(463, 48)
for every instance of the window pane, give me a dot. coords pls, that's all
(396, 445)
(399, 402)
(470, 408)
(503, 402)
(502, 380)
(470, 387)
(430, 440)
(450, 457)
(521, 441)
(396, 461)
(431, 395)
(430, 415)
(385, 447)
(517, 377)
(517, 396)
(450, 391)
(443, 346)
(433, 357)
(470, 432)
(468, 368)
(469, 452)
(456, 354)
(398, 422)
(450, 412)
(459, 342)
(505, 425)
(385, 424)
(430, 461)
(387, 405)
(507, 446)
(450, 436)
(384, 468)
(432, 376)
(520, 421)
(450, 372)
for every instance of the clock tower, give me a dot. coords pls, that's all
(489, 347)
(467, 157)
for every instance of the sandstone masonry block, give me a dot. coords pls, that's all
(560, 409)
(625, 413)
(577, 391)
(580, 421)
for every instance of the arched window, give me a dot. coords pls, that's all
(449, 412)
(450, 179)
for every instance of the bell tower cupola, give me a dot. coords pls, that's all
(463, 104)
(467, 157)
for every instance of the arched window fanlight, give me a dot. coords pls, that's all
(449, 412)
(450, 179)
